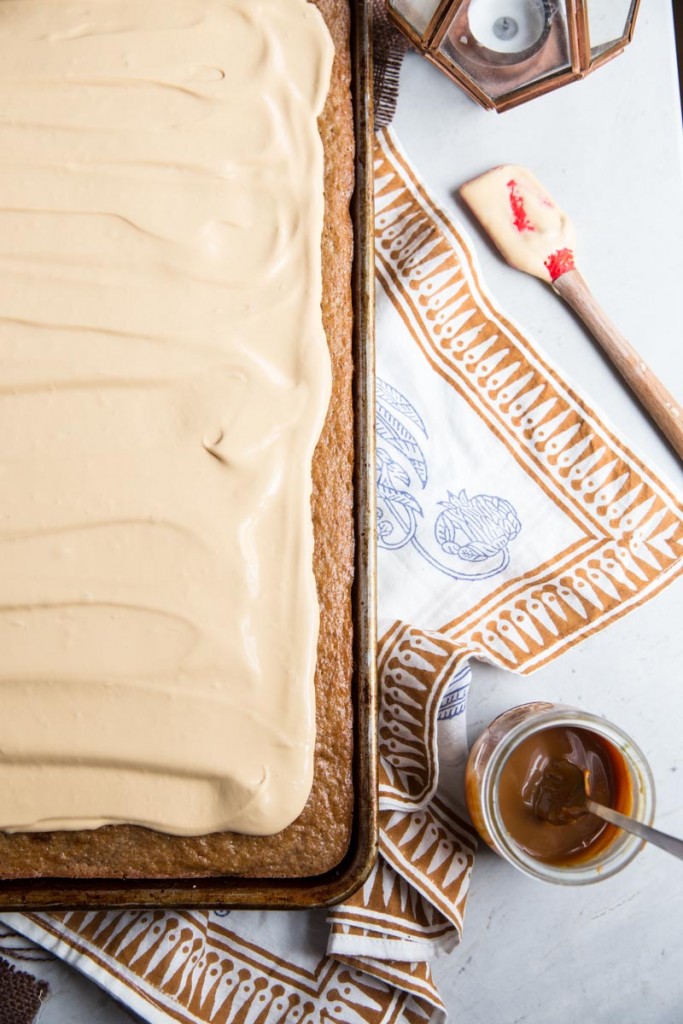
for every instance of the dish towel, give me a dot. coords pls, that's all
(512, 524)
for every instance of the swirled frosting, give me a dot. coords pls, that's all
(165, 377)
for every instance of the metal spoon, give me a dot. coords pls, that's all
(563, 795)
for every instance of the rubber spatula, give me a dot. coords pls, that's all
(534, 235)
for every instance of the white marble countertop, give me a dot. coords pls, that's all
(609, 149)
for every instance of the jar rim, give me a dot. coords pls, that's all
(621, 850)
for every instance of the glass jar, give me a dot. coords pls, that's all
(486, 764)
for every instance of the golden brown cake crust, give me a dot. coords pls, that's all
(318, 839)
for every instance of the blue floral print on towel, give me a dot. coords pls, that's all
(454, 700)
(469, 531)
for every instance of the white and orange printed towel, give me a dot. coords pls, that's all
(512, 523)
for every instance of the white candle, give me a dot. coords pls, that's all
(506, 26)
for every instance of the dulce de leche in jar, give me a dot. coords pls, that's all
(523, 798)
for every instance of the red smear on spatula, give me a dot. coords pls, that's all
(558, 263)
(519, 214)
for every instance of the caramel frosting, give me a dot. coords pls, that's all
(165, 377)
(524, 222)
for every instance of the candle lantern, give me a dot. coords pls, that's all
(504, 52)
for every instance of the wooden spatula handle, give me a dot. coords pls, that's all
(660, 403)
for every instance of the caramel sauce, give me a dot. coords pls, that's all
(545, 820)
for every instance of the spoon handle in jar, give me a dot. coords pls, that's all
(637, 828)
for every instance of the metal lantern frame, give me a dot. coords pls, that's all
(580, 59)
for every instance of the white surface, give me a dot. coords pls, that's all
(609, 150)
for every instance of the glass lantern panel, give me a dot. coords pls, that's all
(502, 45)
(608, 21)
(417, 13)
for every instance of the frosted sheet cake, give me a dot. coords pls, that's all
(166, 378)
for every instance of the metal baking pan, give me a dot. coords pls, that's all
(336, 885)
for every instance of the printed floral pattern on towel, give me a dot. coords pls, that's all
(454, 700)
(471, 530)
(631, 525)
